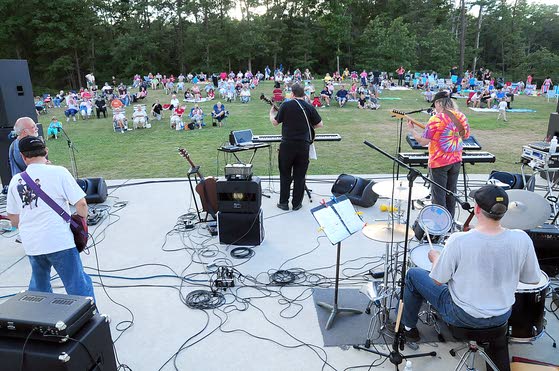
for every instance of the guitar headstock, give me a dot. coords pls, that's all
(184, 153)
(398, 114)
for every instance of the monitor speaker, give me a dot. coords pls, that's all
(553, 126)
(6, 139)
(91, 348)
(95, 189)
(358, 190)
(16, 93)
(239, 196)
(240, 228)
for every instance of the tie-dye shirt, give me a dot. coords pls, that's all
(445, 147)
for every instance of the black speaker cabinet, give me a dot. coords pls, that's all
(95, 189)
(240, 228)
(5, 140)
(91, 349)
(239, 196)
(358, 190)
(546, 244)
(553, 126)
(16, 93)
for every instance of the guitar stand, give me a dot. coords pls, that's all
(194, 171)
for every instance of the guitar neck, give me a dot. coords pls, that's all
(402, 115)
(185, 154)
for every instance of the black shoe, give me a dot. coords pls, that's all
(283, 206)
(411, 335)
(295, 208)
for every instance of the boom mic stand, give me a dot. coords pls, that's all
(72, 151)
(395, 356)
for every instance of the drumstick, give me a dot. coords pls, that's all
(428, 237)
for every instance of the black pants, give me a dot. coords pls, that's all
(99, 110)
(293, 160)
(446, 176)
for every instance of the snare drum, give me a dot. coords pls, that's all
(527, 320)
(419, 255)
(434, 218)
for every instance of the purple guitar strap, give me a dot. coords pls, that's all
(49, 201)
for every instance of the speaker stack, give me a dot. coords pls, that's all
(16, 100)
(240, 217)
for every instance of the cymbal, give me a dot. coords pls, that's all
(526, 210)
(401, 189)
(383, 232)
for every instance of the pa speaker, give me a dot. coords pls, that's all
(95, 189)
(16, 94)
(239, 196)
(553, 125)
(546, 245)
(240, 229)
(91, 348)
(358, 190)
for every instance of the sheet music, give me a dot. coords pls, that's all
(331, 224)
(348, 215)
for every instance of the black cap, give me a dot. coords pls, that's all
(441, 95)
(31, 143)
(492, 199)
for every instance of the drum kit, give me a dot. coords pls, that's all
(526, 210)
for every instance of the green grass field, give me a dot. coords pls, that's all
(152, 153)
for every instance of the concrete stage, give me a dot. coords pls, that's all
(141, 251)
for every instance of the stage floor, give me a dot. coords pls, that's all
(141, 251)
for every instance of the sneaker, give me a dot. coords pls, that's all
(412, 335)
(283, 206)
(295, 208)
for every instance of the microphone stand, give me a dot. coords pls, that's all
(395, 356)
(71, 149)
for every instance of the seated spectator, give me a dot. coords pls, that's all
(327, 78)
(119, 120)
(140, 95)
(196, 92)
(475, 100)
(486, 98)
(157, 110)
(174, 102)
(428, 95)
(86, 109)
(316, 102)
(139, 117)
(211, 94)
(219, 113)
(176, 121)
(58, 99)
(55, 127)
(245, 95)
(326, 95)
(107, 89)
(362, 102)
(277, 93)
(353, 91)
(197, 116)
(47, 99)
(100, 106)
(72, 109)
(341, 96)
(40, 105)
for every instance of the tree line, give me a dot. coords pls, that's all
(66, 39)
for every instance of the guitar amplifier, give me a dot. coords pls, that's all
(241, 229)
(239, 196)
(546, 244)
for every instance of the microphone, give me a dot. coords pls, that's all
(419, 110)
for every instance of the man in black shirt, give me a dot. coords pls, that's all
(100, 106)
(156, 109)
(297, 117)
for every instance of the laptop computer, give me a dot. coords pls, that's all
(243, 138)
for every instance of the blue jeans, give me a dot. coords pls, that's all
(446, 176)
(419, 287)
(68, 265)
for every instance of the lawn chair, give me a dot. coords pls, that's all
(553, 94)
(119, 114)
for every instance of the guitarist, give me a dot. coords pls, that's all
(298, 119)
(444, 134)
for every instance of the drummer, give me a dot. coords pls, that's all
(473, 280)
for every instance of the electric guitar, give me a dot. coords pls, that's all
(273, 104)
(402, 115)
(206, 187)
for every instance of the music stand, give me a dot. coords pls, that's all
(338, 219)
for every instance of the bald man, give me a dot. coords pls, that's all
(23, 127)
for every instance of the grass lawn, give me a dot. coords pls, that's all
(152, 153)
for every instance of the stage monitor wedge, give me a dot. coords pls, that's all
(16, 92)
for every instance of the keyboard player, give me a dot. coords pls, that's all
(444, 134)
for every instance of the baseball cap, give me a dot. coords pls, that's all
(441, 95)
(31, 143)
(491, 199)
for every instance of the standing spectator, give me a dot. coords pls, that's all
(400, 71)
(502, 110)
(547, 83)
(46, 237)
(90, 80)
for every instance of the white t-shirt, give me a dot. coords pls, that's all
(483, 271)
(502, 105)
(43, 231)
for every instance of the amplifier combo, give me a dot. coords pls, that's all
(239, 196)
(546, 244)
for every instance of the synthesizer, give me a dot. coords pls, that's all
(470, 144)
(277, 138)
(421, 159)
